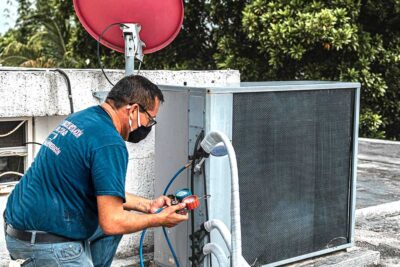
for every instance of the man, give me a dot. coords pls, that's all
(77, 183)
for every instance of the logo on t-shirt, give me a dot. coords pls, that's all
(62, 130)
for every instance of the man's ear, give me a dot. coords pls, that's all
(131, 108)
(131, 112)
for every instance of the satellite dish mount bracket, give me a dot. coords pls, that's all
(133, 46)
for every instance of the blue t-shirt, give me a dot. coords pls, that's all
(82, 158)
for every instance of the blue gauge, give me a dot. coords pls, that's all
(182, 193)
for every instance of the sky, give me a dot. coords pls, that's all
(7, 22)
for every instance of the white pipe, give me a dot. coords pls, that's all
(217, 252)
(222, 229)
(226, 235)
(209, 142)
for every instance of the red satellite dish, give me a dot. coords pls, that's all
(161, 20)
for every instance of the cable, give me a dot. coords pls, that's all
(175, 176)
(141, 247)
(98, 48)
(32, 143)
(192, 215)
(192, 173)
(140, 65)
(206, 204)
(164, 231)
(12, 131)
(10, 172)
(71, 103)
(171, 248)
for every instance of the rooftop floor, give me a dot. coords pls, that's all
(378, 199)
(378, 173)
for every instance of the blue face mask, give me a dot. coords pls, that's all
(139, 134)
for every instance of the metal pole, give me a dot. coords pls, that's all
(129, 55)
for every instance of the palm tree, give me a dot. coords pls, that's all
(45, 48)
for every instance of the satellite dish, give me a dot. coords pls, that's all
(160, 21)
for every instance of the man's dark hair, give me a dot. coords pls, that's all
(135, 89)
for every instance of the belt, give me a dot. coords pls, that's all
(35, 236)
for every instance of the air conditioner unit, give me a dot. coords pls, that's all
(296, 146)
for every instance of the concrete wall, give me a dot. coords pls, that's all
(42, 94)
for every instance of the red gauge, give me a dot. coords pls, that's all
(192, 202)
(160, 20)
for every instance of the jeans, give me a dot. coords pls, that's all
(97, 251)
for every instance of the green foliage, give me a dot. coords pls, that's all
(40, 38)
(370, 123)
(334, 40)
(233, 49)
(347, 40)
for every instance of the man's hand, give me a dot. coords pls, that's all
(158, 203)
(169, 218)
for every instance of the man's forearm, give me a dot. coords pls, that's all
(115, 220)
(131, 222)
(136, 203)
